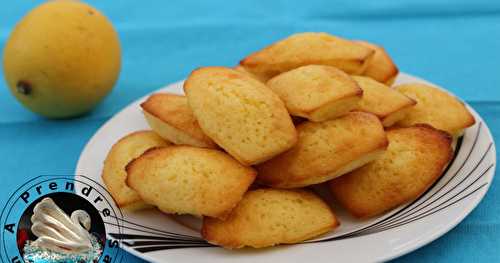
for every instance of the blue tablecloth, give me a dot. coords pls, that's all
(455, 44)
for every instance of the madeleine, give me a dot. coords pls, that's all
(381, 67)
(317, 92)
(239, 113)
(189, 180)
(268, 217)
(326, 150)
(306, 49)
(414, 160)
(169, 115)
(388, 104)
(437, 108)
(120, 154)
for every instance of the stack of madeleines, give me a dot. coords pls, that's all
(243, 145)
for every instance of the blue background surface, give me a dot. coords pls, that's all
(455, 44)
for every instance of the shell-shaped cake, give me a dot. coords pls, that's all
(388, 104)
(189, 180)
(306, 49)
(268, 217)
(326, 150)
(169, 115)
(122, 152)
(240, 113)
(414, 160)
(243, 70)
(317, 92)
(437, 108)
(381, 67)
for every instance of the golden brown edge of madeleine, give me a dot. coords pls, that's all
(202, 139)
(345, 105)
(384, 118)
(120, 203)
(178, 136)
(471, 119)
(232, 244)
(446, 137)
(369, 154)
(388, 119)
(244, 70)
(394, 70)
(249, 64)
(312, 113)
(224, 214)
(146, 105)
(130, 165)
(358, 92)
(395, 116)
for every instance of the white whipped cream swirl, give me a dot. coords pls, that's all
(57, 231)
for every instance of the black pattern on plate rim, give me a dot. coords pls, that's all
(153, 239)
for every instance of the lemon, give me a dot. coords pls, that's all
(62, 59)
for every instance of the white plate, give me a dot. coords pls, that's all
(404, 229)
